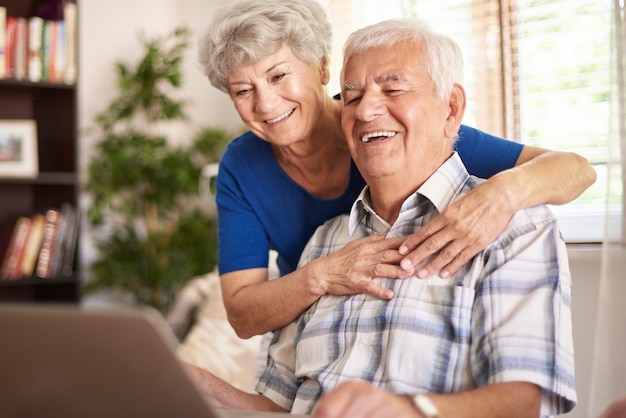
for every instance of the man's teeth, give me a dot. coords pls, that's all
(279, 118)
(366, 137)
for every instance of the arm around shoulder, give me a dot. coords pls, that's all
(553, 177)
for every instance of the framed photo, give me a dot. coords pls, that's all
(18, 149)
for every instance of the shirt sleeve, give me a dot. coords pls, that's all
(242, 241)
(278, 381)
(522, 327)
(485, 155)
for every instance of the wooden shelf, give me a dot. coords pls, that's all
(38, 84)
(53, 106)
(34, 289)
(50, 178)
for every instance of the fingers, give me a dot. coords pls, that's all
(456, 235)
(351, 269)
(335, 404)
(448, 261)
(425, 242)
(380, 292)
(451, 254)
(356, 399)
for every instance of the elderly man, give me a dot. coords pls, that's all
(493, 340)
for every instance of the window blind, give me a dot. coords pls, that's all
(536, 71)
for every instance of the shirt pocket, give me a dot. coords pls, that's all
(428, 349)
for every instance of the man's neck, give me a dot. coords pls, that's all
(387, 202)
(387, 194)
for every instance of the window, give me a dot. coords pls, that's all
(536, 71)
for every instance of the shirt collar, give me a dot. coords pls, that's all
(440, 188)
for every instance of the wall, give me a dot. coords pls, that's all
(585, 265)
(109, 31)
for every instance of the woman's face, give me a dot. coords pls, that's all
(279, 98)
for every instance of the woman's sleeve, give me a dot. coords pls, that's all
(242, 241)
(485, 155)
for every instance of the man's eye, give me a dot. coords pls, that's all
(396, 91)
(351, 100)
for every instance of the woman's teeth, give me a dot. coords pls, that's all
(279, 118)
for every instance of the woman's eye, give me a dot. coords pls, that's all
(240, 93)
(278, 77)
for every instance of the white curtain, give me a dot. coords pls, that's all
(609, 364)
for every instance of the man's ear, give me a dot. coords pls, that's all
(456, 105)
(325, 70)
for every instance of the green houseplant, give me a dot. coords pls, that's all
(153, 232)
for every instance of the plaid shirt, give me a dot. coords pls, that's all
(505, 316)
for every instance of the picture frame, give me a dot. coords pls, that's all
(18, 148)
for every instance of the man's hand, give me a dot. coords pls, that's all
(460, 232)
(357, 399)
(617, 409)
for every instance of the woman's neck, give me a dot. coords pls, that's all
(320, 163)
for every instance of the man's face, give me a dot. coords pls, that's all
(392, 120)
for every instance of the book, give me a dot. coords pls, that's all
(35, 27)
(11, 266)
(53, 222)
(3, 19)
(57, 60)
(6, 238)
(9, 46)
(58, 241)
(69, 16)
(72, 225)
(33, 244)
(21, 49)
(47, 32)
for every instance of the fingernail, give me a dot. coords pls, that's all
(422, 273)
(403, 249)
(444, 274)
(405, 264)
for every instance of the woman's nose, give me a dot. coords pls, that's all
(266, 99)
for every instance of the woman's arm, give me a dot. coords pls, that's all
(470, 224)
(256, 305)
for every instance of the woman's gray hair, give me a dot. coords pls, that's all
(242, 32)
(444, 59)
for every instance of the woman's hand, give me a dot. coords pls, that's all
(351, 269)
(256, 305)
(461, 231)
(356, 399)
(467, 226)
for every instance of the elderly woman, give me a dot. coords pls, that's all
(292, 171)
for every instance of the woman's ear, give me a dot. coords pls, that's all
(325, 70)
(456, 105)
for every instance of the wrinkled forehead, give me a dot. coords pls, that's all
(397, 62)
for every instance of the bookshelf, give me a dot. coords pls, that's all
(53, 106)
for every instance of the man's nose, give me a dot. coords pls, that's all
(370, 107)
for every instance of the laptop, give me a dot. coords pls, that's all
(71, 362)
